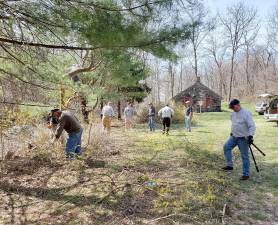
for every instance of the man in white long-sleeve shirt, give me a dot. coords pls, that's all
(107, 114)
(243, 130)
(166, 114)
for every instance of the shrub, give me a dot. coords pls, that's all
(179, 110)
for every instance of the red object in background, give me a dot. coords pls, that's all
(208, 102)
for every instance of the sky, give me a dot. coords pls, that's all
(263, 6)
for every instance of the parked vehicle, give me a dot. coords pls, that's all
(272, 111)
(263, 103)
(261, 107)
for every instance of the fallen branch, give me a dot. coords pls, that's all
(111, 192)
(223, 213)
(171, 215)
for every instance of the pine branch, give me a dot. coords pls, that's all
(25, 104)
(34, 44)
(118, 9)
(24, 81)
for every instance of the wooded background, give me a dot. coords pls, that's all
(234, 52)
(107, 49)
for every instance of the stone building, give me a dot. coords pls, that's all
(203, 98)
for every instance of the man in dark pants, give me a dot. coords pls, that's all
(68, 122)
(243, 130)
(166, 114)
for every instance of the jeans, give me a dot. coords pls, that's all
(188, 123)
(152, 123)
(243, 146)
(73, 145)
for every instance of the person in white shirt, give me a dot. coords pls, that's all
(128, 116)
(243, 130)
(107, 114)
(166, 114)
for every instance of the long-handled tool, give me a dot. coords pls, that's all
(258, 149)
(251, 150)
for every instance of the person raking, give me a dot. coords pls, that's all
(67, 121)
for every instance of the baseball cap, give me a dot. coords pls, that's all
(233, 102)
(54, 110)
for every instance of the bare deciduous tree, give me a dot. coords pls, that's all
(218, 51)
(273, 28)
(237, 20)
(200, 28)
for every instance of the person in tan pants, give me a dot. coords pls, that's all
(107, 114)
(128, 116)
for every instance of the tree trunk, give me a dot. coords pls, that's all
(157, 88)
(180, 81)
(220, 84)
(172, 80)
(101, 103)
(232, 77)
(2, 142)
(195, 62)
(119, 110)
(249, 85)
(62, 98)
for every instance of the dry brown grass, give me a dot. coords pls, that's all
(124, 178)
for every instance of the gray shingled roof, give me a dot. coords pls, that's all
(197, 86)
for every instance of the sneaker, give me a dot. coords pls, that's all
(227, 168)
(70, 156)
(244, 178)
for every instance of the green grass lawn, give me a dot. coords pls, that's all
(200, 155)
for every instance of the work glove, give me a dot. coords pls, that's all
(250, 140)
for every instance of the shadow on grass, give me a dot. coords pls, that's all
(264, 181)
(125, 203)
(202, 131)
(51, 194)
